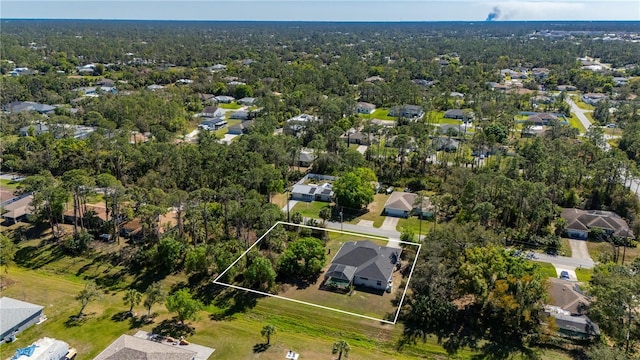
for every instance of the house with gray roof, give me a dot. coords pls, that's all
(247, 101)
(458, 114)
(312, 192)
(37, 128)
(365, 108)
(128, 347)
(20, 106)
(363, 263)
(223, 99)
(242, 128)
(403, 204)
(407, 111)
(16, 316)
(580, 222)
(212, 112)
(17, 208)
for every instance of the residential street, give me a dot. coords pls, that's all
(565, 262)
(579, 113)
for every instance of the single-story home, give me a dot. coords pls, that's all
(98, 210)
(566, 88)
(155, 87)
(363, 263)
(445, 144)
(20, 106)
(306, 157)
(572, 326)
(132, 347)
(365, 108)
(37, 128)
(356, 137)
(17, 208)
(374, 79)
(542, 119)
(407, 111)
(212, 124)
(131, 229)
(403, 204)
(242, 128)
(224, 99)
(241, 115)
(247, 101)
(16, 316)
(312, 192)
(212, 112)
(593, 98)
(458, 114)
(217, 67)
(383, 123)
(567, 295)
(96, 90)
(580, 222)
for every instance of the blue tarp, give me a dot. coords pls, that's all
(27, 351)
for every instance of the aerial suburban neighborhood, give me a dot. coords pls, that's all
(266, 190)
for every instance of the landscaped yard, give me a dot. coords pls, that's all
(581, 104)
(309, 209)
(375, 211)
(574, 122)
(233, 106)
(547, 269)
(584, 275)
(379, 113)
(413, 223)
(9, 184)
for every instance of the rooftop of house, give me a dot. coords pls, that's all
(406, 201)
(14, 312)
(370, 260)
(19, 206)
(366, 105)
(128, 347)
(567, 296)
(19, 106)
(585, 220)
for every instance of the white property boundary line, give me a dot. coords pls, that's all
(395, 320)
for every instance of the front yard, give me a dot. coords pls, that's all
(231, 106)
(375, 211)
(309, 209)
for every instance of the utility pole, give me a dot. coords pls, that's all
(341, 219)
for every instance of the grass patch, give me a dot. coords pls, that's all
(548, 269)
(280, 200)
(375, 211)
(584, 275)
(379, 113)
(9, 184)
(565, 248)
(413, 224)
(309, 209)
(574, 122)
(232, 106)
(581, 104)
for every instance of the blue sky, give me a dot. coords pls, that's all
(324, 10)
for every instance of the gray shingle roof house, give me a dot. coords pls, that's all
(458, 114)
(38, 128)
(16, 316)
(128, 347)
(20, 106)
(242, 128)
(247, 101)
(542, 119)
(572, 326)
(407, 111)
(224, 99)
(312, 192)
(403, 204)
(211, 111)
(364, 263)
(580, 222)
(365, 108)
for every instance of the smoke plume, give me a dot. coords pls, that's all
(494, 15)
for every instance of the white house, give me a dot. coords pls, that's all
(312, 192)
(365, 108)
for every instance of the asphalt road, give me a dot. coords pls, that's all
(579, 113)
(565, 262)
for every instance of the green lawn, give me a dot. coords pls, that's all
(565, 248)
(379, 113)
(9, 184)
(375, 211)
(413, 223)
(233, 106)
(574, 122)
(547, 269)
(309, 209)
(584, 275)
(581, 104)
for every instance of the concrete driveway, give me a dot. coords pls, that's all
(390, 223)
(579, 249)
(571, 271)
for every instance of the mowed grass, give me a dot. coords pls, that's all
(565, 247)
(574, 122)
(584, 275)
(547, 269)
(233, 106)
(9, 184)
(375, 211)
(379, 113)
(413, 224)
(309, 209)
(581, 104)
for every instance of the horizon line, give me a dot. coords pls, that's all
(325, 21)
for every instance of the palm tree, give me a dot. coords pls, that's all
(267, 331)
(341, 347)
(132, 298)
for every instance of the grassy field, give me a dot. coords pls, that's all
(375, 211)
(232, 106)
(9, 184)
(574, 122)
(565, 248)
(280, 199)
(547, 269)
(309, 209)
(581, 104)
(379, 113)
(413, 223)
(584, 275)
